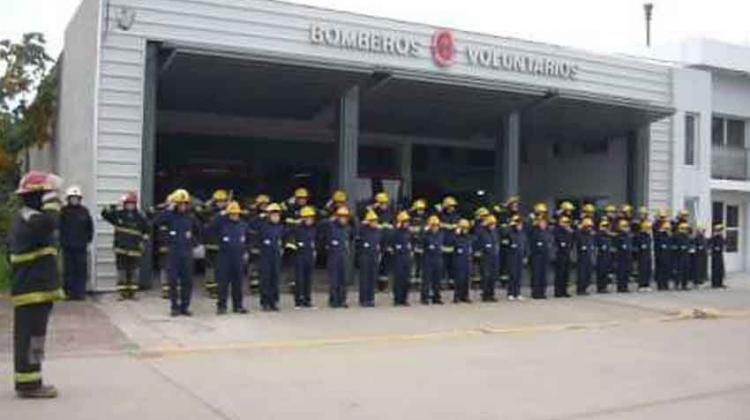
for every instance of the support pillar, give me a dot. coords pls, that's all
(348, 142)
(148, 151)
(637, 165)
(405, 169)
(508, 157)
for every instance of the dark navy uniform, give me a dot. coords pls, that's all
(700, 259)
(369, 241)
(211, 244)
(681, 259)
(432, 269)
(76, 232)
(624, 245)
(270, 243)
(662, 254)
(563, 247)
(540, 244)
(448, 223)
(505, 254)
(643, 249)
(385, 219)
(604, 258)
(301, 242)
(487, 246)
(35, 285)
(518, 250)
(716, 243)
(184, 231)
(131, 230)
(417, 220)
(338, 242)
(585, 246)
(462, 254)
(231, 236)
(401, 243)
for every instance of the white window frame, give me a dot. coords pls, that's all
(696, 138)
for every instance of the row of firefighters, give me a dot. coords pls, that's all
(431, 243)
(421, 244)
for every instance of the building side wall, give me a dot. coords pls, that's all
(660, 164)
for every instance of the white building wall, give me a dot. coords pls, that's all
(731, 95)
(660, 172)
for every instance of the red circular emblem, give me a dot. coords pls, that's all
(443, 48)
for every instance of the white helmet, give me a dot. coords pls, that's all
(73, 191)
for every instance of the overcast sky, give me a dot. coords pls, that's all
(599, 25)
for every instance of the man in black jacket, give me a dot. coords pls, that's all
(35, 283)
(76, 232)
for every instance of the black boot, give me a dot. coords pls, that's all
(44, 391)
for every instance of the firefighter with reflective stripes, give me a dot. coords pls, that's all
(401, 244)
(643, 243)
(624, 256)
(184, 234)
(541, 242)
(432, 241)
(382, 208)
(208, 213)
(604, 243)
(338, 244)
(338, 199)
(463, 242)
(448, 222)
(417, 221)
(271, 234)
(35, 283)
(369, 241)
(256, 216)
(663, 254)
(681, 256)
(301, 242)
(231, 232)
(584, 244)
(563, 235)
(131, 231)
(76, 233)
(487, 248)
(294, 205)
(518, 254)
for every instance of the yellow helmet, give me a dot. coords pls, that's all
(665, 227)
(433, 220)
(220, 195)
(626, 208)
(382, 198)
(540, 208)
(262, 199)
(482, 212)
(449, 201)
(604, 224)
(565, 221)
(610, 208)
(342, 211)
(623, 224)
(589, 208)
(587, 223)
(371, 216)
(682, 213)
(663, 212)
(646, 225)
(301, 193)
(402, 217)
(273, 208)
(339, 196)
(419, 204)
(512, 199)
(516, 219)
(180, 196)
(234, 208)
(567, 206)
(491, 220)
(643, 210)
(719, 227)
(307, 211)
(683, 227)
(464, 224)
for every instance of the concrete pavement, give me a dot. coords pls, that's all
(599, 357)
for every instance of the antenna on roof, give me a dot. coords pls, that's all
(648, 8)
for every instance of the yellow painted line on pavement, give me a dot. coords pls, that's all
(678, 315)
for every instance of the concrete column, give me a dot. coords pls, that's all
(348, 142)
(148, 150)
(405, 168)
(637, 165)
(508, 157)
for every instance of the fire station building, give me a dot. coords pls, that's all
(264, 96)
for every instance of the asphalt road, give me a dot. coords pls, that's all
(637, 356)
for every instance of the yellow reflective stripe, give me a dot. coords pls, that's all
(24, 378)
(212, 247)
(32, 298)
(33, 255)
(291, 246)
(52, 206)
(447, 249)
(128, 252)
(448, 225)
(128, 231)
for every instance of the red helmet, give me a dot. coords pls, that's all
(36, 181)
(130, 197)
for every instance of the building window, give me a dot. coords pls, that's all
(729, 215)
(691, 205)
(728, 132)
(691, 132)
